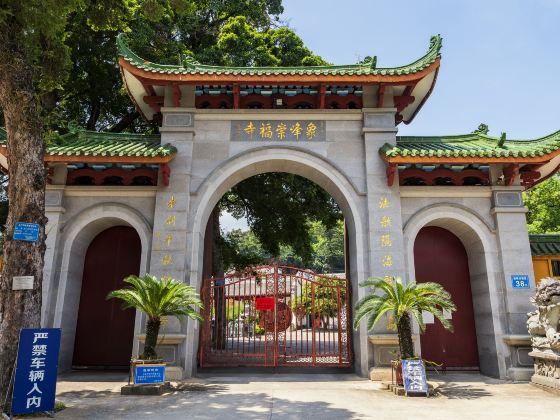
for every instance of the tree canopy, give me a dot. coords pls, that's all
(280, 209)
(234, 33)
(543, 202)
(242, 249)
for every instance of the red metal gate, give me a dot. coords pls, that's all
(276, 316)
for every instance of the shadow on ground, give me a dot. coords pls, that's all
(454, 391)
(200, 401)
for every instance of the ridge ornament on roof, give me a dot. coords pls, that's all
(190, 66)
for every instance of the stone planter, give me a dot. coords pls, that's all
(144, 387)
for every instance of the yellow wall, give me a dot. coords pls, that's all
(542, 267)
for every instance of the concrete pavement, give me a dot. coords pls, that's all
(303, 396)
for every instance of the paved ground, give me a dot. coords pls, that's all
(304, 396)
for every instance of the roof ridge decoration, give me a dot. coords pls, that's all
(188, 65)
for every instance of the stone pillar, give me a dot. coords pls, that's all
(54, 209)
(514, 259)
(385, 228)
(169, 242)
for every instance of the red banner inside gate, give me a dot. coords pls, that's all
(264, 303)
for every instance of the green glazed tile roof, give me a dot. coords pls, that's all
(3, 135)
(91, 143)
(470, 145)
(190, 66)
(545, 244)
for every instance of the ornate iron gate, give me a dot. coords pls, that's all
(276, 316)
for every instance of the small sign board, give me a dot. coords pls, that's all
(149, 374)
(414, 377)
(24, 231)
(36, 370)
(520, 281)
(22, 282)
(264, 303)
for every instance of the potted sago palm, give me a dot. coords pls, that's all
(157, 298)
(404, 303)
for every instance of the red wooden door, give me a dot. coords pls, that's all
(439, 256)
(104, 332)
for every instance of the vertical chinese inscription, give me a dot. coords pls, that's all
(385, 239)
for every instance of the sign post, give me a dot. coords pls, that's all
(36, 370)
(414, 377)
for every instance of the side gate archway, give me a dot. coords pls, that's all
(276, 316)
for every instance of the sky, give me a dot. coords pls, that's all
(500, 59)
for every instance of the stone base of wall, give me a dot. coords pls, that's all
(520, 374)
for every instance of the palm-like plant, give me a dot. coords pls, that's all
(158, 298)
(404, 302)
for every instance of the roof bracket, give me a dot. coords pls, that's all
(165, 174)
(510, 172)
(391, 172)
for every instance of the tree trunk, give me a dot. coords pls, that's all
(125, 122)
(26, 194)
(152, 332)
(405, 337)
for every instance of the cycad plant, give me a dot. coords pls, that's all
(403, 302)
(158, 298)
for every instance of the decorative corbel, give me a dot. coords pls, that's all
(165, 174)
(391, 172)
(510, 172)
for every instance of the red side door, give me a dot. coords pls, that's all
(104, 332)
(439, 256)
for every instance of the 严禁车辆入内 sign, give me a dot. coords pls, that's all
(36, 370)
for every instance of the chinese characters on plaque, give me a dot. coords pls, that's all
(282, 130)
(36, 370)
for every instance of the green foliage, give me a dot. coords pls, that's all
(88, 89)
(243, 249)
(543, 202)
(400, 300)
(278, 207)
(158, 298)
(319, 297)
(234, 310)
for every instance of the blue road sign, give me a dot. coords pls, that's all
(414, 376)
(149, 374)
(520, 281)
(36, 370)
(26, 232)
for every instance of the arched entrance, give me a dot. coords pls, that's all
(316, 169)
(439, 256)
(112, 255)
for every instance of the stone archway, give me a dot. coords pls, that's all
(78, 233)
(478, 240)
(305, 164)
